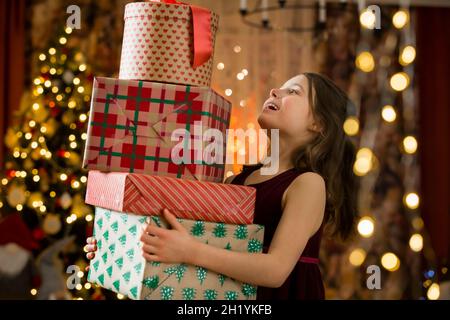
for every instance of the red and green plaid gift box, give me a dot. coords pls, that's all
(131, 124)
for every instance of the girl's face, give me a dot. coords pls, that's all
(289, 110)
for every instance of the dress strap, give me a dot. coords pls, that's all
(309, 260)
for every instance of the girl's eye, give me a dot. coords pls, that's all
(292, 91)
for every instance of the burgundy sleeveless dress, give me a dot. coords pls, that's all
(305, 280)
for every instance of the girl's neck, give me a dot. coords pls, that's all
(285, 156)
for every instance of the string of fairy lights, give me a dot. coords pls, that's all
(400, 83)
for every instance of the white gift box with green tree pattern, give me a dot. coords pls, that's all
(119, 265)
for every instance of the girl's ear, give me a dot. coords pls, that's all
(316, 127)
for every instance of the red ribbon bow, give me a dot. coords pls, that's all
(201, 20)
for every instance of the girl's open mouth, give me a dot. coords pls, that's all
(271, 106)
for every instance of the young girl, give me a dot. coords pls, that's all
(314, 188)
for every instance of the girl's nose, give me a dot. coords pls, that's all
(274, 93)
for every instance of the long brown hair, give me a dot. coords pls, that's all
(331, 154)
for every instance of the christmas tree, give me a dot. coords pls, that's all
(42, 178)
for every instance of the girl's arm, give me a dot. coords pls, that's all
(302, 217)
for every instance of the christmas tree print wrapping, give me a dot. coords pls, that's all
(131, 125)
(119, 266)
(194, 200)
(171, 43)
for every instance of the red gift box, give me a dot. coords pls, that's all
(131, 124)
(148, 195)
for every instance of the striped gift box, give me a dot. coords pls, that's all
(131, 124)
(148, 195)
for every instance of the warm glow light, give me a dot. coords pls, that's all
(84, 136)
(237, 49)
(417, 223)
(63, 177)
(245, 72)
(367, 19)
(87, 285)
(434, 292)
(82, 67)
(416, 242)
(412, 200)
(68, 30)
(407, 55)
(52, 194)
(42, 57)
(52, 71)
(365, 61)
(351, 126)
(72, 104)
(400, 19)
(33, 292)
(75, 184)
(83, 117)
(19, 207)
(240, 76)
(35, 106)
(388, 113)
(399, 81)
(242, 103)
(220, 66)
(390, 261)
(410, 144)
(76, 81)
(362, 166)
(80, 89)
(36, 178)
(63, 40)
(52, 51)
(357, 257)
(366, 227)
(55, 89)
(83, 179)
(120, 296)
(89, 217)
(228, 92)
(79, 286)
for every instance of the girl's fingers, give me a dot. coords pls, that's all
(150, 240)
(91, 240)
(151, 257)
(87, 268)
(91, 248)
(90, 255)
(149, 249)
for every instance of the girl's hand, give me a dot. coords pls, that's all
(168, 246)
(90, 247)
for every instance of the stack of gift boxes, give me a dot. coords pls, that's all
(163, 86)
